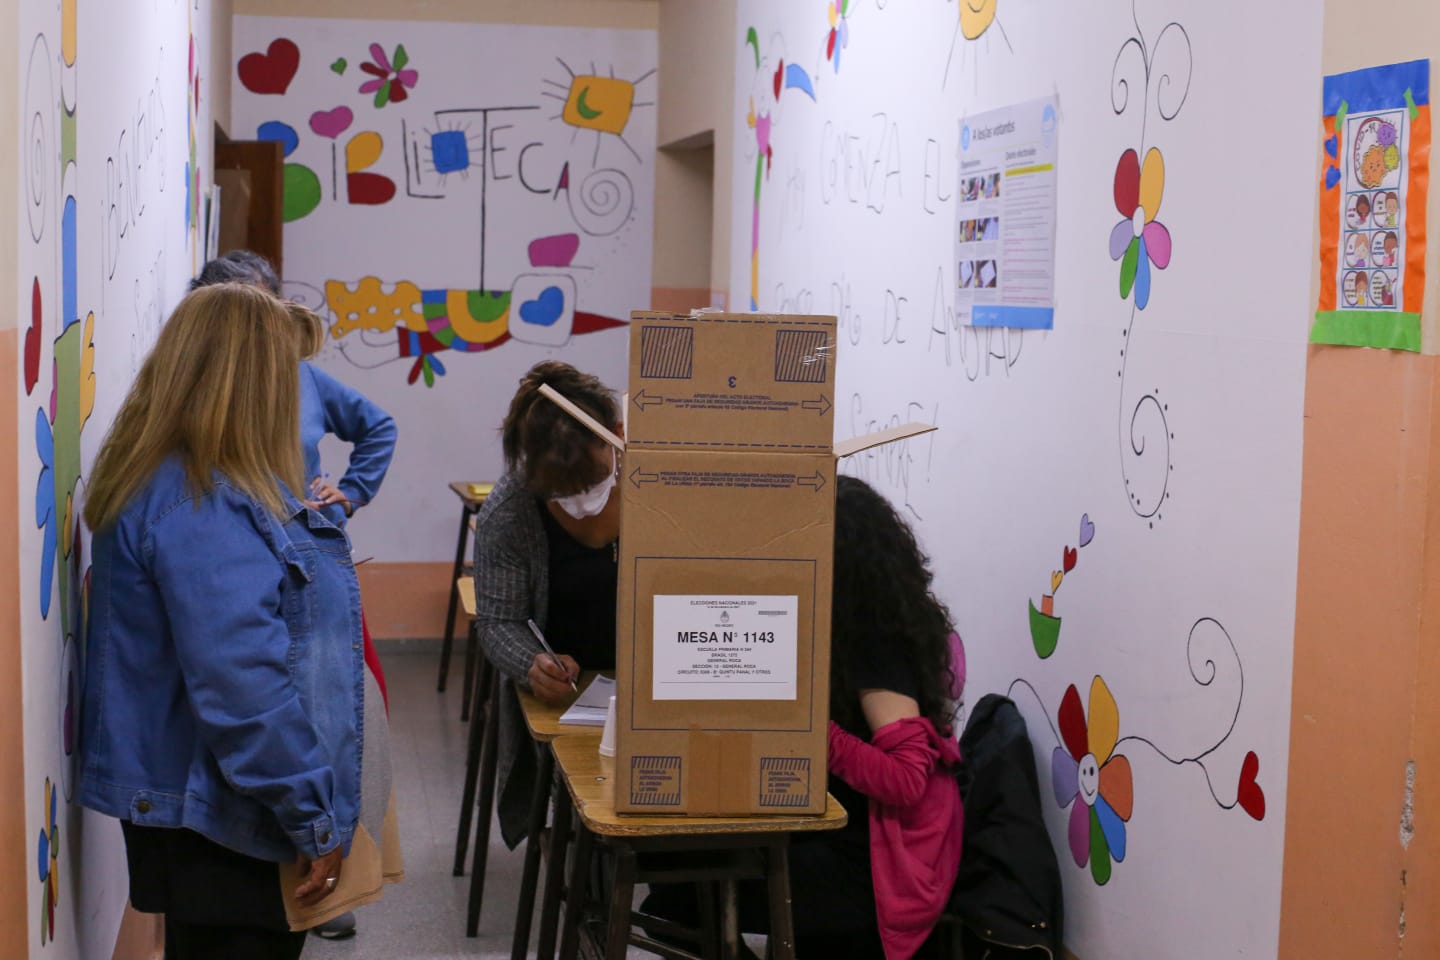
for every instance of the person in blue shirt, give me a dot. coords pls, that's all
(224, 696)
(326, 406)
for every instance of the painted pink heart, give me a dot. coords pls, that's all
(331, 123)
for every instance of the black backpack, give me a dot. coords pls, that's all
(1007, 898)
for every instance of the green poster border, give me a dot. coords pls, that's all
(1366, 328)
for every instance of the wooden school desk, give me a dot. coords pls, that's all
(724, 850)
(543, 721)
(472, 497)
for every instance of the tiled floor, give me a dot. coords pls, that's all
(424, 917)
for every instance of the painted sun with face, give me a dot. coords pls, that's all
(976, 17)
(975, 20)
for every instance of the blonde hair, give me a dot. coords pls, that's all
(221, 390)
(309, 329)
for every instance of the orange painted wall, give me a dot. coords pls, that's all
(15, 867)
(1366, 686)
(15, 863)
(406, 601)
(1369, 474)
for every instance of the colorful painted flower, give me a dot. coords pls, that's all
(47, 854)
(1139, 240)
(839, 36)
(1088, 767)
(390, 83)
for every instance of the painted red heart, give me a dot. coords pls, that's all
(1069, 559)
(1249, 795)
(779, 76)
(271, 71)
(32, 338)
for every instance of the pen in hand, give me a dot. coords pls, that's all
(541, 637)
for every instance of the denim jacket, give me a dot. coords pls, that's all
(224, 675)
(329, 406)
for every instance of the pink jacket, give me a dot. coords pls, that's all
(916, 823)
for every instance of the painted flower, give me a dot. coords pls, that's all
(1087, 767)
(1139, 240)
(47, 854)
(839, 36)
(391, 82)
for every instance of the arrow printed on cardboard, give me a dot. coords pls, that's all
(637, 477)
(817, 481)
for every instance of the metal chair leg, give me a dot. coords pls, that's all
(472, 645)
(530, 877)
(560, 829)
(460, 540)
(488, 759)
(473, 744)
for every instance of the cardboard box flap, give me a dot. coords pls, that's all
(844, 448)
(738, 382)
(855, 445)
(593, 425)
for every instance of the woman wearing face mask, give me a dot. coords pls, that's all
(545, 550)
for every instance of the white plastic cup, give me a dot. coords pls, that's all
(607, 738)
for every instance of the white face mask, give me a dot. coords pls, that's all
(588, 503)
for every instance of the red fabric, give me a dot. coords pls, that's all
(372, 660)
(916, 823)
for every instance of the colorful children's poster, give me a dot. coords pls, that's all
(1004, 236)
(1376, 173)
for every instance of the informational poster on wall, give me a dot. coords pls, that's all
(1372, 207)
(725, 647)
(1005, 217)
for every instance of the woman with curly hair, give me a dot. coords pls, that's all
(877, 887)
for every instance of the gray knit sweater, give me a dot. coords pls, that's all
(512, 584)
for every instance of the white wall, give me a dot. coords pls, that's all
(108, 109)
(462, 230)
(1196, 538)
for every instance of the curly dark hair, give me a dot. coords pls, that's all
(239, 266)
(556, 453)
(883, 597)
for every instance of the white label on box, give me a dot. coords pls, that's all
(725, 648)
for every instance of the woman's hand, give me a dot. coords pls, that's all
(320, 877)
(552, 678)
(323, 494)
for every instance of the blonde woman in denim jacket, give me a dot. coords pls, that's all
(225, 688)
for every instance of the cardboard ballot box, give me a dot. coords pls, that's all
(726, 543)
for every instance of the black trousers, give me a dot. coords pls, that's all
(831, 893)
(184, 941)
(218, 904)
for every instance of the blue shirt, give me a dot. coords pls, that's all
(224, 673)
(329, 406)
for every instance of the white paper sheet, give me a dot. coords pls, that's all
(594, 701)
(725, 647)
